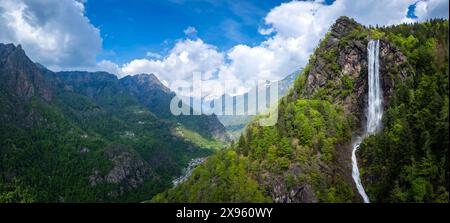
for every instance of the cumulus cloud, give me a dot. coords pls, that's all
(107, 66)
(296, 28)
(431, 9)
(185, 58)
(55, 33)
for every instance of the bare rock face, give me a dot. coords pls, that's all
(128, 170)
(20, 75)
(351, 57)
(21, 80)
(282, 192)
(343, 27)
(391, 61)
(298, 194)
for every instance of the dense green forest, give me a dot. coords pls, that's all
(54, 161)
(305, 157)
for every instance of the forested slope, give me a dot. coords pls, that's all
(85, 137)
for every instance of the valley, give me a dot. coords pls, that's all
(91, 137)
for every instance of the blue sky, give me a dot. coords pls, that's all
(131, 28)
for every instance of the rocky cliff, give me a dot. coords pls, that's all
(20, 75)
(338, 70)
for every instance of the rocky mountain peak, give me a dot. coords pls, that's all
(8, 51)
(343, 26)
(150, 80)
(20, 75)
(339, 70)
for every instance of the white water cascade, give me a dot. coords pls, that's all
(374, 111)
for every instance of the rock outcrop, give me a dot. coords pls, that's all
(129, 171)
(350, 55)
(20, 75)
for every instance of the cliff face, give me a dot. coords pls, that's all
(129, 171)
(20, 75)
(338, 73)
(339, 70)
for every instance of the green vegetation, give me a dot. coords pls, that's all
(198, 139)
(46, 163)
(304, 138)
(222, 178)
(85, 147)
(347, 84)
(409, 158)
(309, 145)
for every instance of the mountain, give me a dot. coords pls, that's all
(158, 101)
(91, 137)
(148, 91)
(20, 75)
(287, 82)
(235, 124)
(306, 156)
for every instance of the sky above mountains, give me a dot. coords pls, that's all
(222, 39)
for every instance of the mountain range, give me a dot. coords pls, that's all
(77, 136)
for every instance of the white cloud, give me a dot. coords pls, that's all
(431, 9)
(107, 66)
(55, 33)
(190, 31)
(187, 56)
(153, 55)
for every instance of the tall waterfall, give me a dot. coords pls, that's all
(374, 110)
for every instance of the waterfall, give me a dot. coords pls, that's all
(374, 110)
(355, 171)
